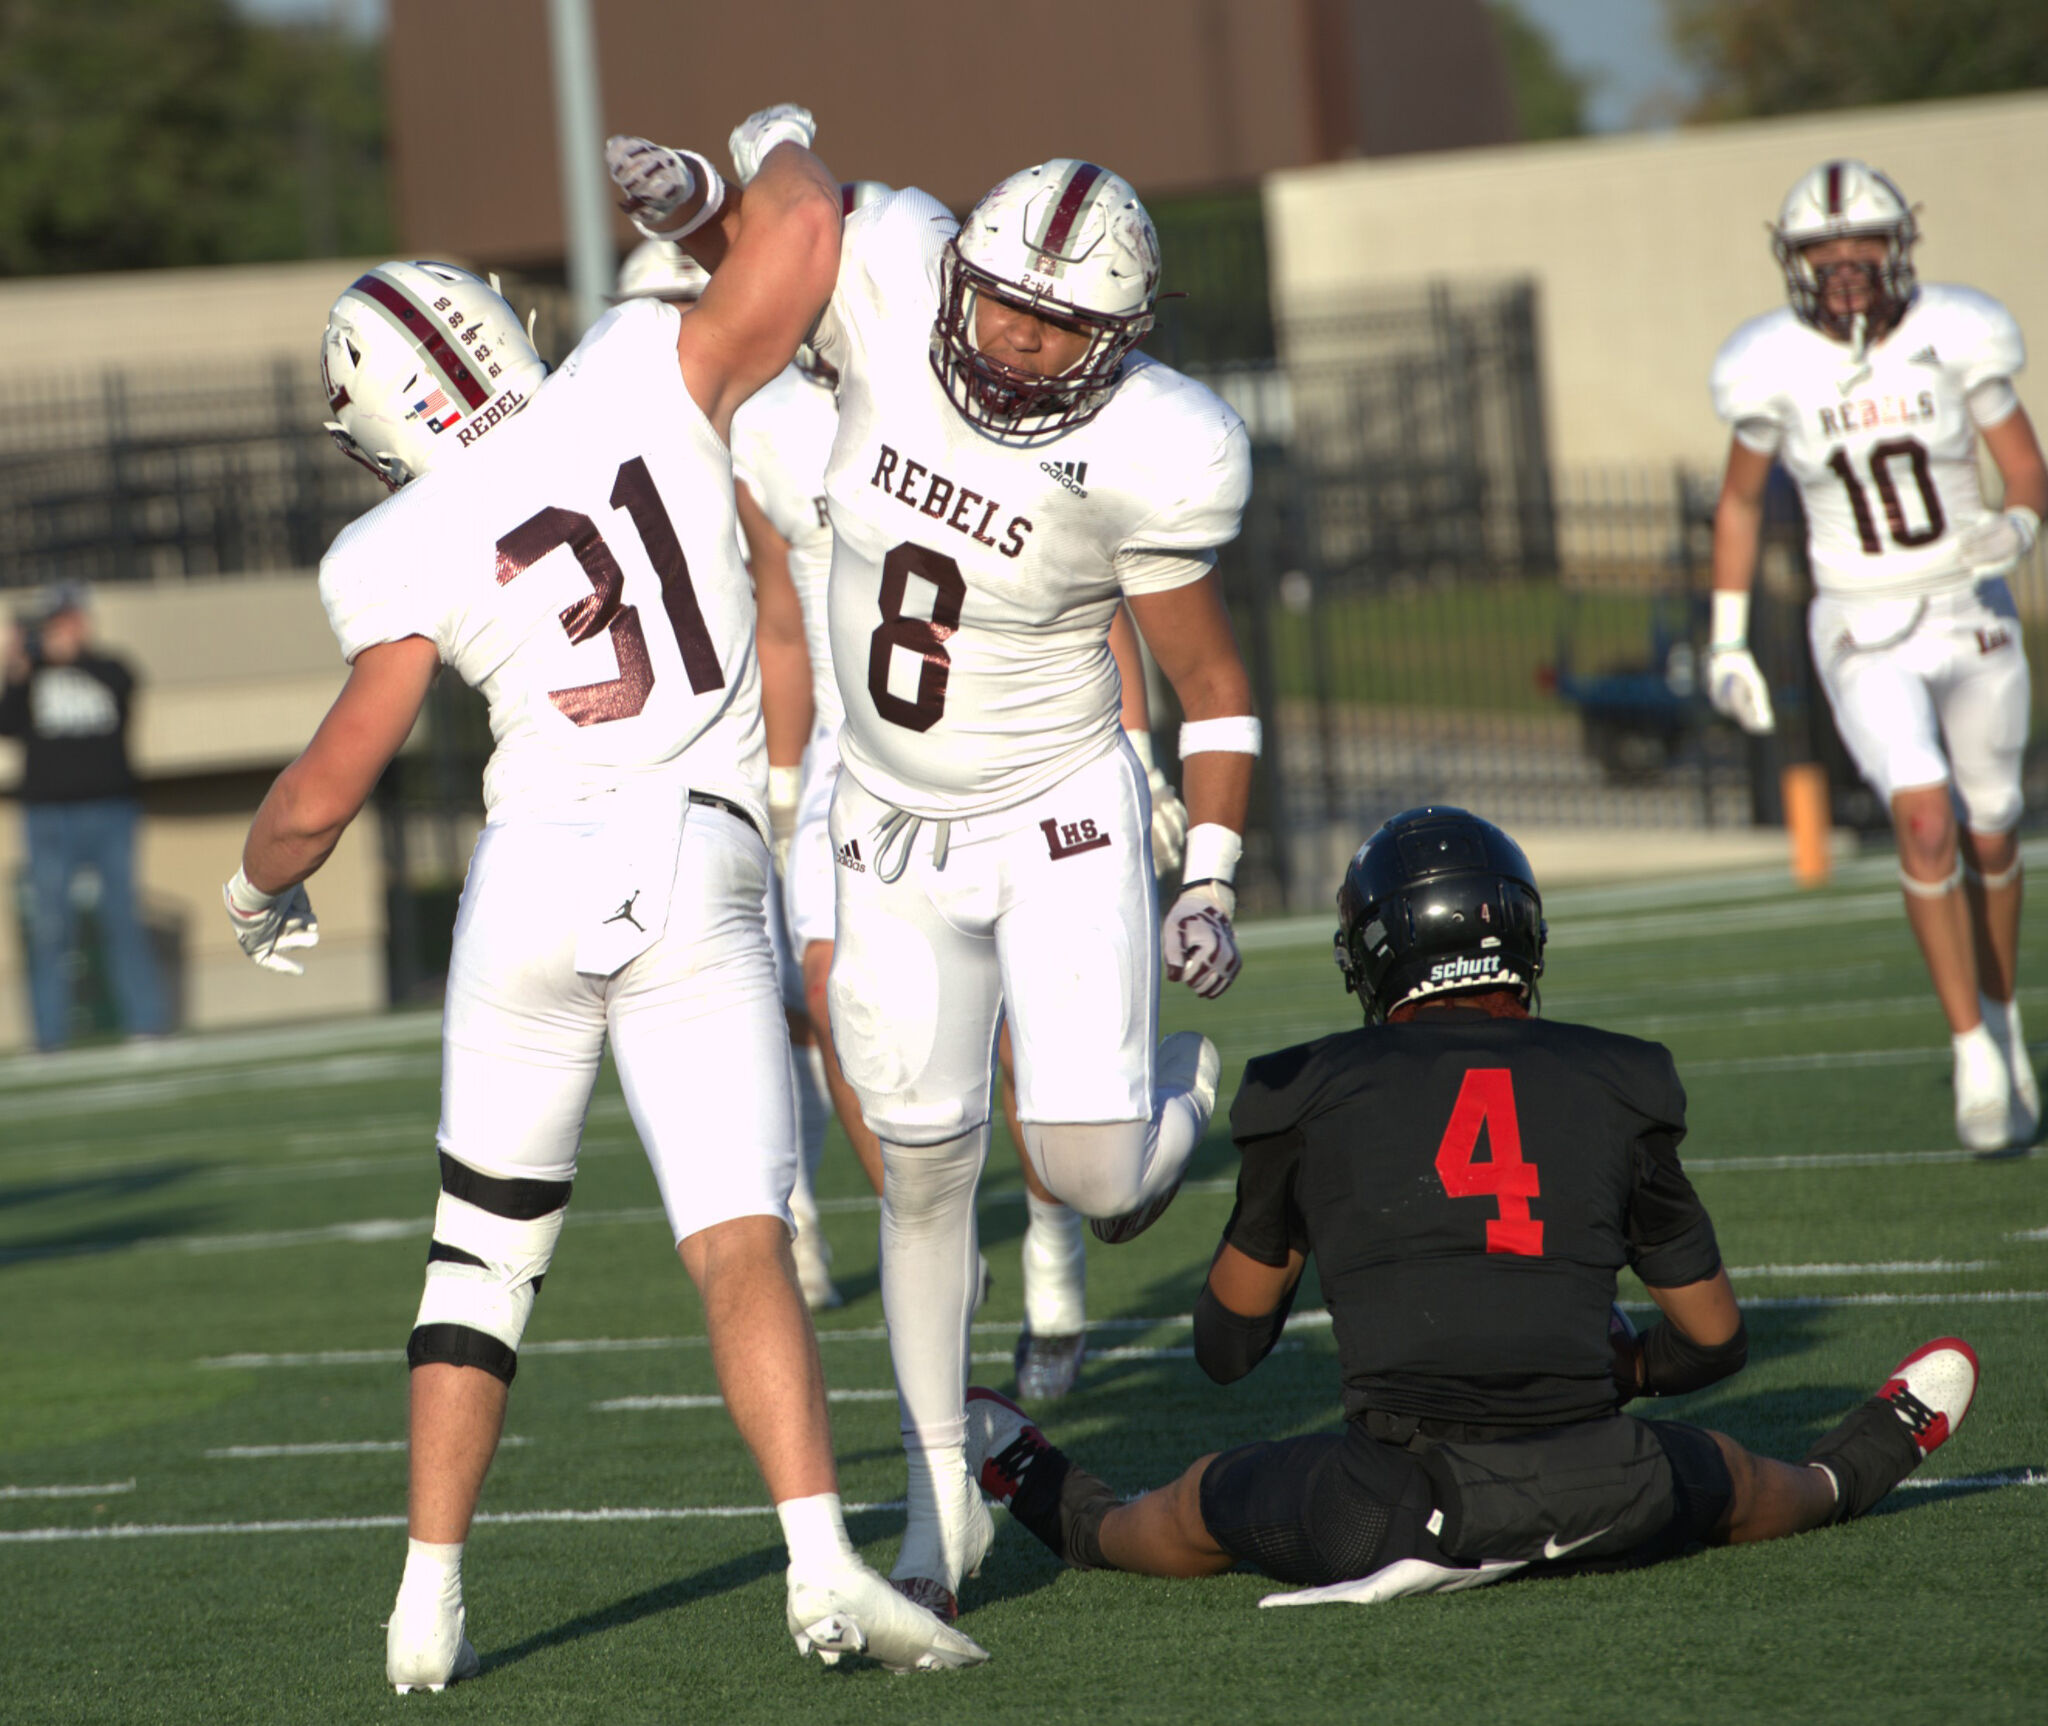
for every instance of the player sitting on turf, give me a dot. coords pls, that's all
(568, 547)
(1874, 391)
(1472, 1299)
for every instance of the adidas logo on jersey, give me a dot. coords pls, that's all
(1071, 474)
(1461, 968)
(849, 856)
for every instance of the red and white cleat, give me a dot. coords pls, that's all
(1931, 1390)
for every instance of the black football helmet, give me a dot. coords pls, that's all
(1438, 902)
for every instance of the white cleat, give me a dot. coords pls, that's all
(1984, 1093)
(854, 1611)
(424, 1645)
(1931, 1390)
(943, 1542)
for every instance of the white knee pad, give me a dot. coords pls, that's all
(1098, 1167)
(493, 1241)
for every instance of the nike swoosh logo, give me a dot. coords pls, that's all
(1552, 1550)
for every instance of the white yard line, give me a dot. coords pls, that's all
(344, 1524)
(67, 1491)
(357, 1447)
(1896, 1267)
(639, 1404)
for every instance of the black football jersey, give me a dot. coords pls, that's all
(1469, 1186)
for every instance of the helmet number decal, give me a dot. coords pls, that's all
(925, 637)
(1882, 456)
(548, 530)
(1486, 1099)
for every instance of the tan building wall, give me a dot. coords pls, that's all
(235, 676)
(1649, 250)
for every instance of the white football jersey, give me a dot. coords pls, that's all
(973, 582)
(579, 566)
(1885, 451)
(781, 441)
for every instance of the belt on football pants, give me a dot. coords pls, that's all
(705, 800)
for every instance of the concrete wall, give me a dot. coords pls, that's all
(1649, 250)
(235, 676)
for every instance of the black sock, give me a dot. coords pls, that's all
(1062, 1505)
(1868, 1454)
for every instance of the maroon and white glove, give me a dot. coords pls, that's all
(654, 182)
(1196, 943)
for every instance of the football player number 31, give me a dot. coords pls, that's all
(1487, 1099)
(547, 530)
(925, 637)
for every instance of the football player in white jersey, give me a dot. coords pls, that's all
(568, 547)
(660, 269)
(1007, 470)
(1873, 390)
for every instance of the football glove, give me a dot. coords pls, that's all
(653, 181)
(757, 134)
(1196, 943)
(268, 926)
(1736, 686)
(1997, 544)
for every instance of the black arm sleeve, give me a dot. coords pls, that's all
(1227, 1344)
(14, 709)
(1673, 1363)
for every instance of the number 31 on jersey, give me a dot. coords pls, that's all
(1487, 1099)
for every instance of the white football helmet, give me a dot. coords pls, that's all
(414, 353)
(661, 270)
(1065, 238)
(1838, 200)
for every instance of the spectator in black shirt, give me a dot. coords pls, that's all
(69, 703)
(1483, 1358)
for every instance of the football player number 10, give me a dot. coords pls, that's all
(623, 696)
(1882, 455)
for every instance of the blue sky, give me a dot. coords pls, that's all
(1620, 42)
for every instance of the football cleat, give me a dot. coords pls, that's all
(947, 1538)
(1049, 1366)
(425, 1647)
(1002, 1443)
(1984, 1094)
(1931, 1390)
(854, 1611)
(1187, 1063)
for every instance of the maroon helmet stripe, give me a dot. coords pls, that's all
(1070, 206)
(430, 337)
(1834, 188)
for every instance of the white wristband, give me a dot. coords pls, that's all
(1141, 746)
(246, 898)
(1234, 734)
(785, 784)
(1730, 627)
(1212, 853)
(2029, 524)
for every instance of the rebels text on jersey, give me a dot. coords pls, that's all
(1469, 1187)
(579, 567)
(781, 440)
(1884, 450)
(974, 582)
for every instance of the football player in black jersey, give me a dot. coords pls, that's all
(1483, 1359)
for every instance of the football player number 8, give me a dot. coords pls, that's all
(1487, 1099)
(547, 530)
(1882, 457)
(925, 637)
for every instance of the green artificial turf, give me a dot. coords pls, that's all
(188, 1238)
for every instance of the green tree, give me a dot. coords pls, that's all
(1550, 98)
(142, 133)
(1757, 57)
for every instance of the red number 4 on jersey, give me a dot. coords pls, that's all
(1487, 1099)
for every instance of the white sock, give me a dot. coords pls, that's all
(931, 1269)
(2002, 1020)
(1977, 1043)
(432, 1568)
(814, 1530)
(937, 1482)
(1055, 1268)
